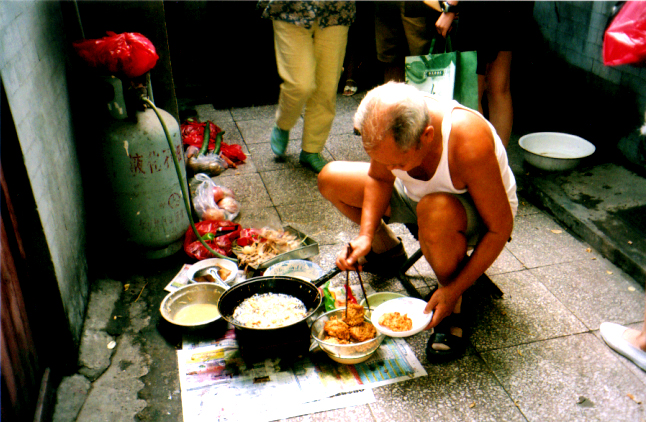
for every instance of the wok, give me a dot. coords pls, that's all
(306, 291)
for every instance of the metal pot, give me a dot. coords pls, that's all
(287, 341)
(192, 294)
(306, 291)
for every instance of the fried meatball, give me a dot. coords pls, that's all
(363, 332)
(337, 328)
(354, 315)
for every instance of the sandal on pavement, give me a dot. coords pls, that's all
(613, 334)
(350, 88)
(278, 141)
(313, 161)
(442, 335)
(388, 262)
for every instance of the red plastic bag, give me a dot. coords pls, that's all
(219, 235)
(129, 54)
(624, 41)
(193, 133)
(233, 152)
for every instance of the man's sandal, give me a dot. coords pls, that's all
(442, 335)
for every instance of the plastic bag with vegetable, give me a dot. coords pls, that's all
(198, 160)
(219, 235)
(214, 202)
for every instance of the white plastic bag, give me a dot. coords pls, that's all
(214, 202)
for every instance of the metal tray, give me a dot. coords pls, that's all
(310, 248)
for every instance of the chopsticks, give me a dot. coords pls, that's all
(347, 282)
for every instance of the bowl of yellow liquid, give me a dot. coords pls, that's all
(194, 305)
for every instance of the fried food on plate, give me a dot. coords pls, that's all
(337, 328)
(363, 332)
(354, 315)
(396, 322)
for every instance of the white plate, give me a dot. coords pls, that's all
(299, 268)
(205, 263)
(410, 306)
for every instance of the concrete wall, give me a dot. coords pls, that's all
(33, 58)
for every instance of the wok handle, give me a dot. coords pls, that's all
(325, 277)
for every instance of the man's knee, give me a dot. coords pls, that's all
(326, 177)
(441, 211)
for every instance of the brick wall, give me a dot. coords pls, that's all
(574, 30)
(33, 57)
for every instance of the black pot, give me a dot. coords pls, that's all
(288, 341)
(307, 292)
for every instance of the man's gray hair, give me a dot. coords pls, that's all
(393, 108)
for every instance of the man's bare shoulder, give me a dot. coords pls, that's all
(471, 137)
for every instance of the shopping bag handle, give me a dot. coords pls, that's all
(447, 46)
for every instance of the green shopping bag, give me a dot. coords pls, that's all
(449, 74)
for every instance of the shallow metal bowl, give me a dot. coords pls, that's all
(348, 354)
(191, 294)
(554, 151)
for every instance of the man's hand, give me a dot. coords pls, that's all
(360, 247)
(442, 303)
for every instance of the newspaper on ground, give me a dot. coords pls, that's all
(180, 280)
(217, 384)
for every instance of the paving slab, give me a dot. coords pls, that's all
(572, 378)
(527, 312)
(590, 202)
(595, 291)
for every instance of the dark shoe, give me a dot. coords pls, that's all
(279, 140)
(388, 262)
(313, 161)
(442, 335)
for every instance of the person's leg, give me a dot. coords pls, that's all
(443, 234)
(442, 222)
(481, 89)
(296, 67)
(498, 81)
(320, 108)
(389, 39)
(342, 183)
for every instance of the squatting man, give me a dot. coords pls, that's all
(436, 164)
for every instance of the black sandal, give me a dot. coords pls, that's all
(442, 335)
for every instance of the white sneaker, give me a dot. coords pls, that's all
(612, 334)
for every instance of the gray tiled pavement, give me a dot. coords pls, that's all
(535, 354)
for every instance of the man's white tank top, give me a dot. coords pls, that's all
(441, 180)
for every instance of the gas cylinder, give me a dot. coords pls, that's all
(143, 209)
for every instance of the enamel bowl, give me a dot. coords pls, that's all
(299, 268)
(553, 151)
